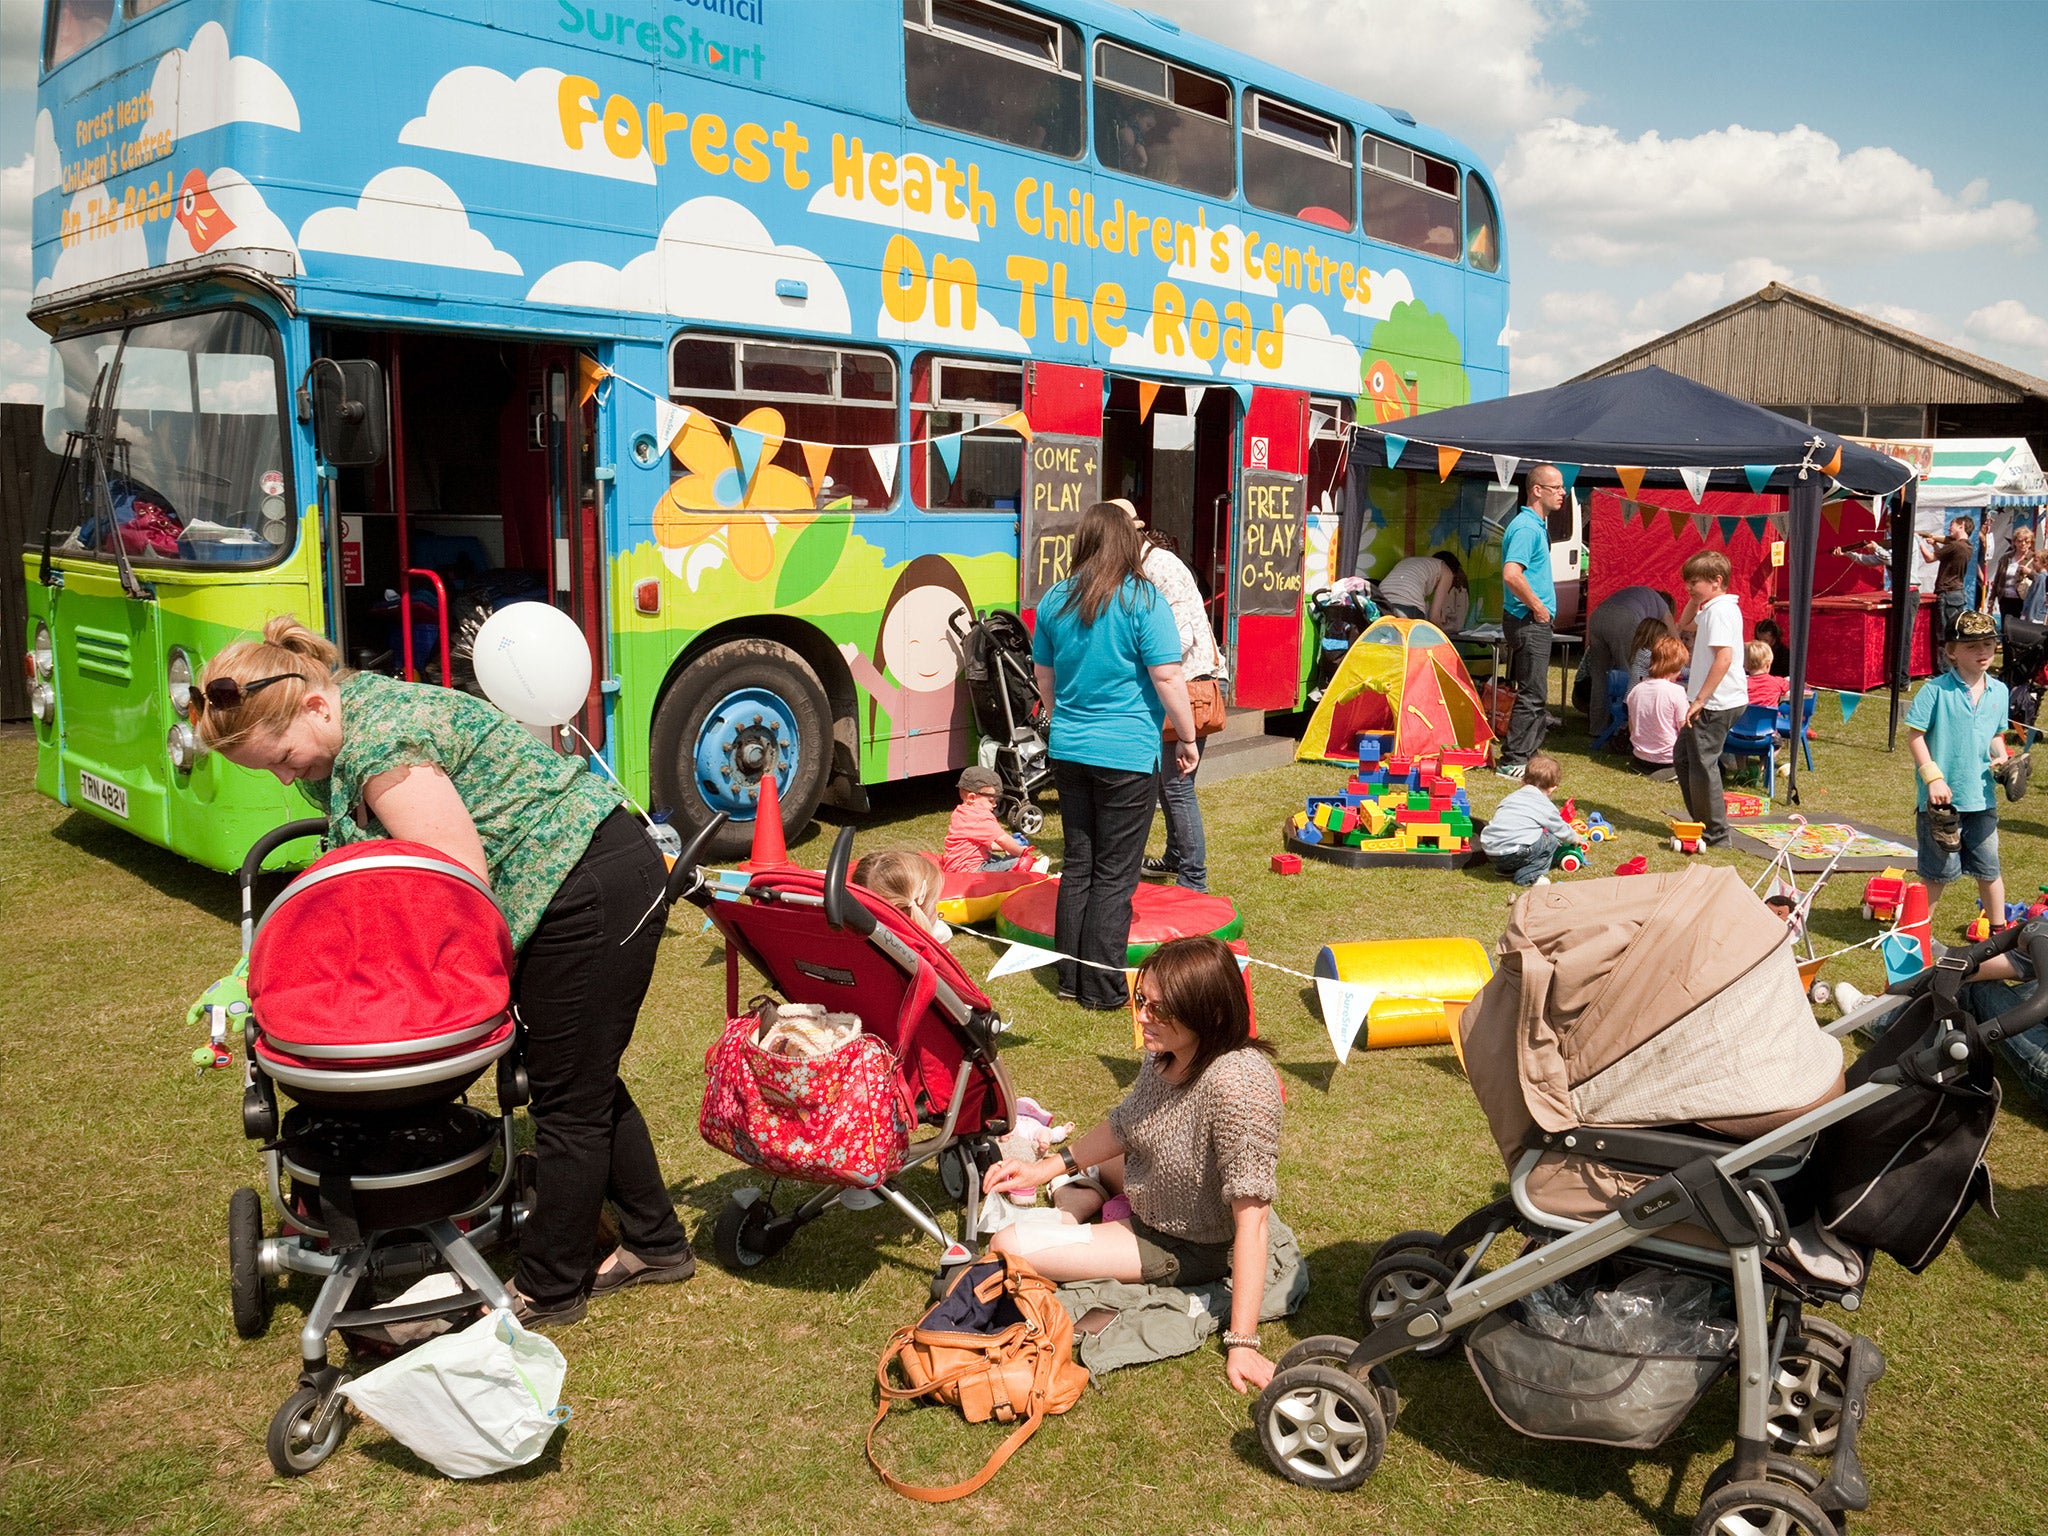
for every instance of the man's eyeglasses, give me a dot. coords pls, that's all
(226, 693)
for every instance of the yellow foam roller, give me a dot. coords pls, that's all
(1423, 984)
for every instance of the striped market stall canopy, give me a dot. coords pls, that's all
(1971, 471)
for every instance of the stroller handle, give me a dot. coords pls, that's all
(2034, 935)
(841, 909)
(274, 839)
(684, 878)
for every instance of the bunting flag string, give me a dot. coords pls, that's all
(1021, 957)
(1395, 447)
(1695, 481)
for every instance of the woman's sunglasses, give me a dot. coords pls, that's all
(226, 693)
(1152, 1005)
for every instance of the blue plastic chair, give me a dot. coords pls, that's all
(1784, 726)
(1755, 734)
(1617, 706)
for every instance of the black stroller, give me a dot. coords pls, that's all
(2020, 668)
(1342, 613)
(1007, 712)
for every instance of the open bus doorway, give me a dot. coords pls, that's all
(1166, 448)
(486, 496)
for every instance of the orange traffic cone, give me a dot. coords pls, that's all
(1913, 919)
(770, 850)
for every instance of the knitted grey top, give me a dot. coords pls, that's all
(1191, 1149)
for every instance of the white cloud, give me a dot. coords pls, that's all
(477, 111)
(49, 165)
(1384, 291)
(21, 351)
(2010, 327)
(202, 86)
(254, 225)
(21, 372)
(104, 250)
(405, 214)
(935, 220)
(1313, 357)
(1601, 198)
(1137, 351)
(1233, 276)
(1906, 318)
(1467, 66)
(988, 335)
(713, 260)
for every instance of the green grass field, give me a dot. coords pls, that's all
(736, 1404)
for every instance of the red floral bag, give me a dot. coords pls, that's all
(841, 1118)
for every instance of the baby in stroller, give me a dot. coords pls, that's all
(1007, 712)
(1676, 1128)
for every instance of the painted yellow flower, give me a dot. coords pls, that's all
(694, 521)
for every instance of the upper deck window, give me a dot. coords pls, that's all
(790, 394)
(1297, 163)
(69, 25)
(1164, 123)
(1482, 227)
(1411, 198)
(992, 70)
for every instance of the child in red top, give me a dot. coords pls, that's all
(1763, 687)
(975, 840)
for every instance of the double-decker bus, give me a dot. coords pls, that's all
(761, 336)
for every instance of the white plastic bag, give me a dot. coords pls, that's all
(474, 1402)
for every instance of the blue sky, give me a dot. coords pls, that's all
(1657, 160)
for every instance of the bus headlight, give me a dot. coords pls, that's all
(42, 703)
(178, 675)
(183, 746)
(43, 656)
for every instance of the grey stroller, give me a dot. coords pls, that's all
(1692, 1177)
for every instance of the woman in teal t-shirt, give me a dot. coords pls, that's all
(576, 877)
(1108, 664)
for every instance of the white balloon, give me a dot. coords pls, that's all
(533, 663)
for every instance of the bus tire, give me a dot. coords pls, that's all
(717, 723)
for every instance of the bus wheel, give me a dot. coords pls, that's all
(734, 710)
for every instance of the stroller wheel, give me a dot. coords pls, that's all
(1398, 1282)
(1404, 1242)
(1807, 1395)
(1333, 1350)
(743, 1237)
(1750, 1509)
(1027, 818)
(1321, 1428)
(248, 1292)
(307, 1429)
(1821, 993)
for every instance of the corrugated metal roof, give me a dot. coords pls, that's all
(1782, 347)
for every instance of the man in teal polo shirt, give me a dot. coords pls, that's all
(1529, 600)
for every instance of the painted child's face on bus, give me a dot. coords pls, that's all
(917, 644)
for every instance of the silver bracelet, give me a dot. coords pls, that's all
(1240, 1340)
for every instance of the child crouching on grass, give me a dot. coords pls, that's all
(975, 840)
(1526, 830)
(1957, 724)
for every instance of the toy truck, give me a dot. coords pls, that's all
(1688, 836)
(1884, 894)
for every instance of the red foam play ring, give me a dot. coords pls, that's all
(1158, 913)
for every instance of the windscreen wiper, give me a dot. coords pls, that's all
(97, 445)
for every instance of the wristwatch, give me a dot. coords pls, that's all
(1073, 1167)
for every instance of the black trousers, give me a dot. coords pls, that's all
(1528, 665)
(1697, 757)
(579, 990)
(1105, 815)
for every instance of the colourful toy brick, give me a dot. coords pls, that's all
(1286, 864)
(1298, 820)
(1310, 833)
(1463, 757)
(1374, 820)
(1458, 822)
(1461, 801)
(1397, 767)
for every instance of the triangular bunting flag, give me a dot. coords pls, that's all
(668, 421)
(1320, 422)
(1834, 465)
(1395, 446)
(1848, 701)
(949, 453)
(1345, 1005)
(1760, 527)
(1679, 523)
(1194, 392)
(747, 443)
(1700, 524)
(1758, 476)
(589, 374)
(1695, 478)
(1630, 476)
(884, 455)
(1504, 468)
(1570, 472)
(817, 459)
(1446, 461)
(1018, 423)
(1831, 514)
(1147, 393)
(1727, 525)
(1021, 957)
(1242, 388)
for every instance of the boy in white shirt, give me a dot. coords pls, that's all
(1716, 690)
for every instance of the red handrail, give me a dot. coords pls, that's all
(441, 603)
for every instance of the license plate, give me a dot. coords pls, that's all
(111, 798)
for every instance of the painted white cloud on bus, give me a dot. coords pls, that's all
(106, 244)
(714, 260)
(406, 214)
(478, 111)
(203, 85)
(988, 333)
(862, 202)
(219, 210)
(1136, 351)
(1387, 289)
(1233, 276)
(49, 172)
(1313, 357)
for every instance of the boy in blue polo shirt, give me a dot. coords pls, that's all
(1957, 722)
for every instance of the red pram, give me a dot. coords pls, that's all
(818, 939)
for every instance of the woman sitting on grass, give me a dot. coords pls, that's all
(1194, 1148)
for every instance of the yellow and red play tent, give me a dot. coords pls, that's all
(1404, 676)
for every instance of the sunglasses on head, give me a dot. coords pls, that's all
(226, 693)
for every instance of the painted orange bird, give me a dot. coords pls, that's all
(1392, 397)
(204, 219)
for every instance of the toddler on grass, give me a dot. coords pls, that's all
(1526, 829)
(975, 840)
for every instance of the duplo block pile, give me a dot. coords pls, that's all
(1413, 805)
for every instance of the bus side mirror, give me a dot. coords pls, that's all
(344, 399)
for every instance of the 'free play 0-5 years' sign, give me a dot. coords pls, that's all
(1062, 479)
(1271, 537)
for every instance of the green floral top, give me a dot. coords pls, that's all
(534, 808)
